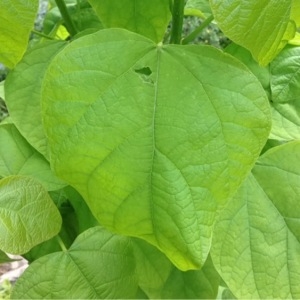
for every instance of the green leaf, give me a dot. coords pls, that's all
(98, 265)
(17, 20)
(195, 284)
(285, 84)
(199, 8)
(262, 26)
(17, 157)
(23, 92)
(295, 12)
(150, 153)
(256, 241)
(148, 17)
(152, 268)
(27, 214)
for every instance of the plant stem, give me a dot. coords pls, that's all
(42, 34)
(196, 32)
(177, 21)
(65, 14)
(61, 243)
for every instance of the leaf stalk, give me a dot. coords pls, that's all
(61, 243)
(66, 16)
(177, 21)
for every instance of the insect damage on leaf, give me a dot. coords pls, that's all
(144, 74)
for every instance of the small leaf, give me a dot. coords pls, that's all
(262, 26)
(23, 85)
(199, 8)
(148, 17)
(17, 157)
(27, 214)
(152, 154)
(98, 265)
(256, 241)
(17, 20)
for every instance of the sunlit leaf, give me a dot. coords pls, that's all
(23, 92)
(17, 20)
(262, 26)
(27, 214)
(17, 157)
(154, 136)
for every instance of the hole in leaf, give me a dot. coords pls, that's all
(144, 71)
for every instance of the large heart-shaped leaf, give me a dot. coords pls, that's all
(23, 92)
(27, 214)
(256, 241)
(148, 17)
(262, 26)
(17, 19)
(17, 157)
(98, 265)
(157, 137)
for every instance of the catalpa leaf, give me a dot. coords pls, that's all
(98, 265)
(256, 241)
(148, 17)
(157, 137)
(17, 20)
(27, 214)
(262, 26)
(23, 92)
(285, 84)
(17, 157)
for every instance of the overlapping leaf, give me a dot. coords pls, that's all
(17, 157)
(159, 279)
(152, 268)
(256, 242)
(157, 138)
(17, 20)
(148, 17)
(285, 85)
(262, 26)
(98, 265)
(27, 214)
(23, 92)
(280, 80)
(194, 284)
